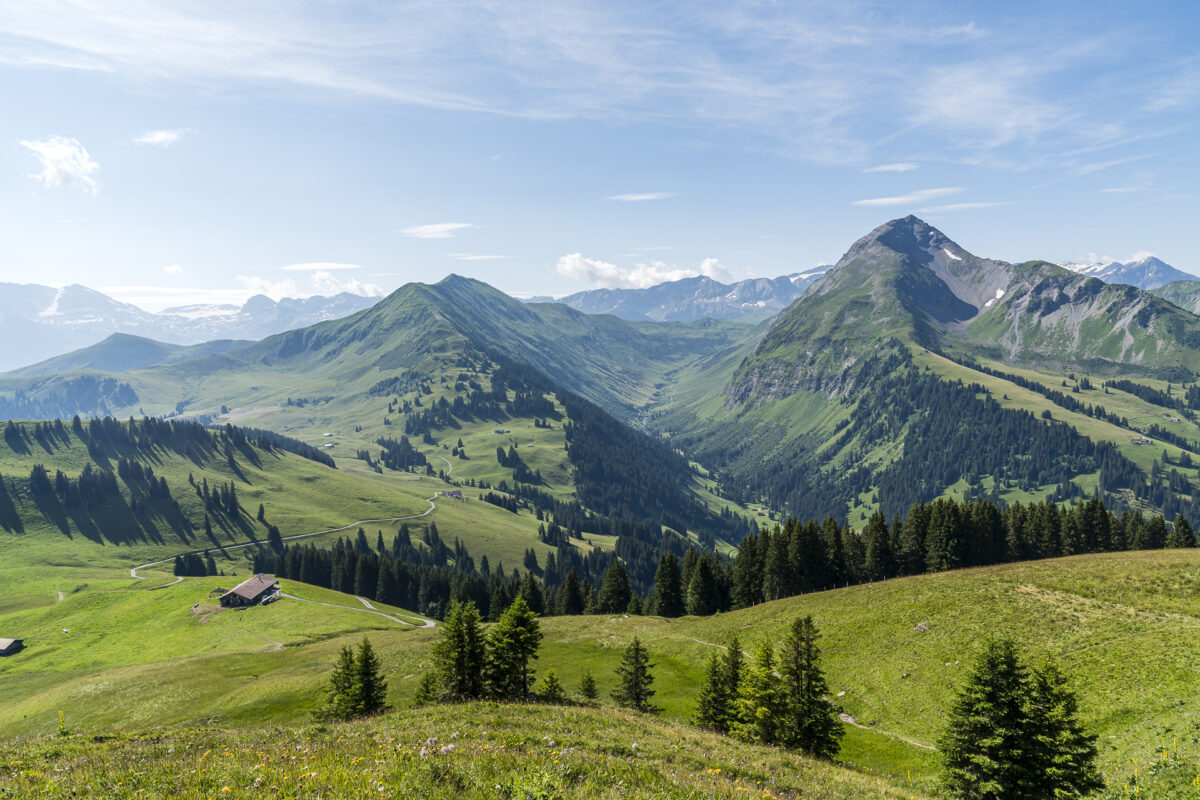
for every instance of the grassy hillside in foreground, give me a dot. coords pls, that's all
(526, 751)
(1126, 628)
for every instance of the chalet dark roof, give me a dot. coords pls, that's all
(253, 587)
(10, 644)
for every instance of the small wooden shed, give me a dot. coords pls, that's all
(250, 592)
(10, 646)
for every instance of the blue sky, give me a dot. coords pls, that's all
(170, 155)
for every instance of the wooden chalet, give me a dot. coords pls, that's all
(250, 592)
(9, 647)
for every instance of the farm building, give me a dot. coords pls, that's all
(455, 493)
(250, 592)
(10, 646)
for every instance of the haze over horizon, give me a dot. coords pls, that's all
(170, 157)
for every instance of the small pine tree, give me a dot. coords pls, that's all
(810, 723)
(760, 703)
(587, 686)
(512, 644)
(370, 688)
(615, 591)
(550, 689)
(339, 694)
(987, 749)
(1065, 753)
(427, 689)
(459, 655)
(634, 678)
(668, 588)
(713, 703)
(1181, 533)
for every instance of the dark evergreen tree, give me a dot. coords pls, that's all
(512, 644)
(615, 591)
(339, 694)
(703, 594)
(989, 748)
(759, 707)
(587, 686)
(634, 678)
(809, 721)
(370, 687)
(459, 655)
(668, 590)
(713, 702)
(1181, 534)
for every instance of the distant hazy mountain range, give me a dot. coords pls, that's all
(1146, 273)
(40, 322)
(695, 298)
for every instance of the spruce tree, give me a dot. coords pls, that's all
(339, 694)
(1065, 754)
(587, 686)
(988, 749)
(512, 644)
(634, 678)
(732, 668)
(1181, 533)
(703, 594)
(550, 689)
(759, 706)
(370, 688)
(810, 723)
(713, 702)
(459, 655)
(427, 689)
(668, 588)
(570, 597)
(615, 591)
(880, 561)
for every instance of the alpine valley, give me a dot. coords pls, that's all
(916, 409)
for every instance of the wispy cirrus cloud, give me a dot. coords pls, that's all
(174, 269)
(913, 198)
(437, 230)
(160, 138)
(320, 266)
(962, 207)
(899, 166)
(821, 81)
(642, 197)
(1124, 190)
(475, 257)
(65, 162)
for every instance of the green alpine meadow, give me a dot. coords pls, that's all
(599, 400)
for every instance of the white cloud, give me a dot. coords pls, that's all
(438, 230)
(908, 199)
(322, 266)
(1139, 256)
(960, 207)
(174, 269)
(640, 276)
(1124, 189)
(163, 138)
(65, 162)
(641, 198)
(328, 284)
(900, 166)
(475, 257)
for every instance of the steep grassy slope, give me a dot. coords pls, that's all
(526, 751)
(1125, 626)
